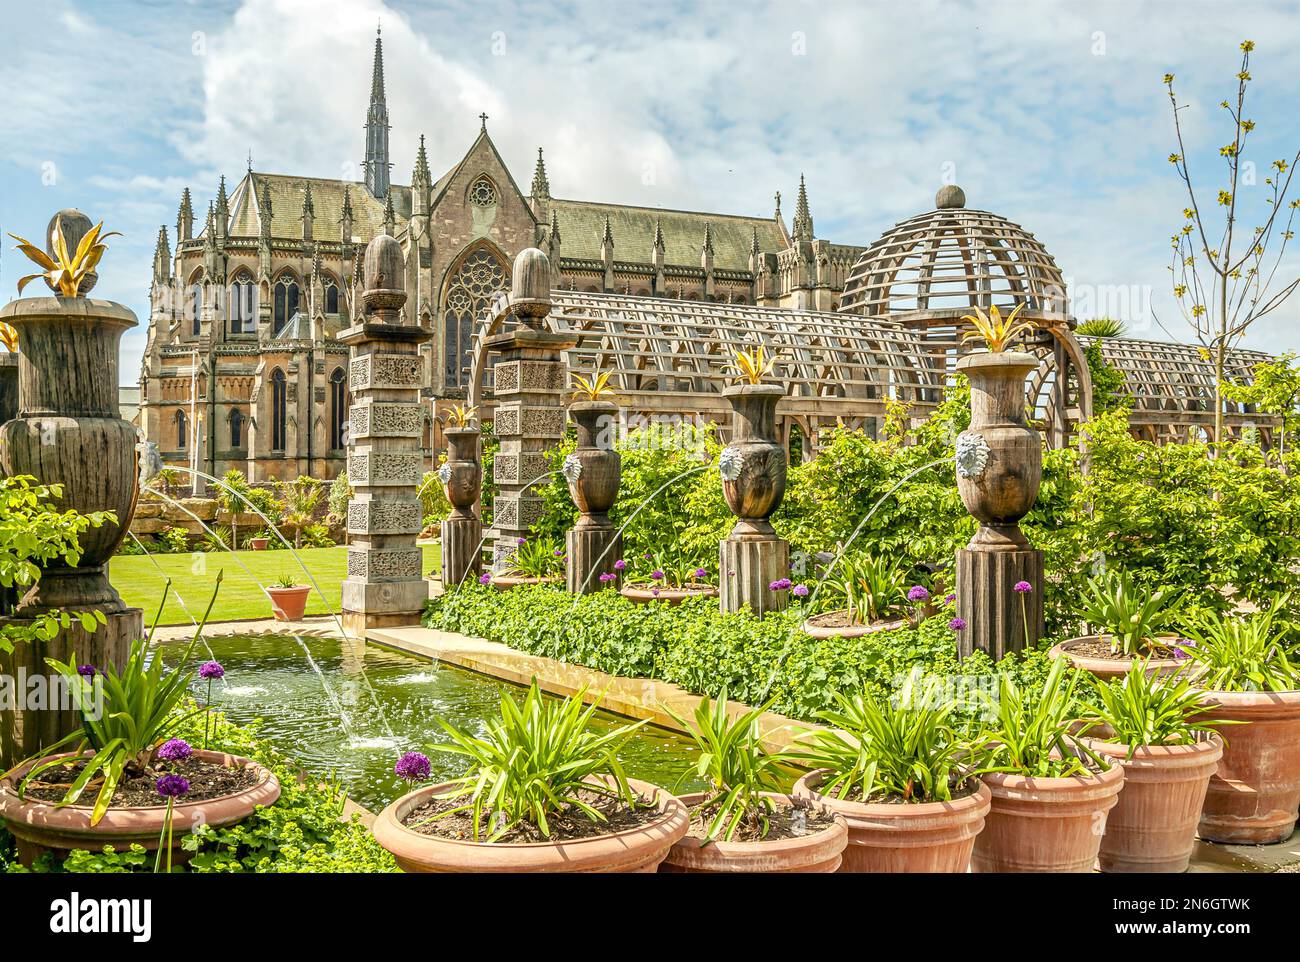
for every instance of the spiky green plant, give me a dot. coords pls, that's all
(1144, 708)
(737, 767)
(1253, 652)
(1031, 731)
(1131, 616)
(870, 587)
(538, 760)
(1101, 327)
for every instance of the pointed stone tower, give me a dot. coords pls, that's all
(377, 164)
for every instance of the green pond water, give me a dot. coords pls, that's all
(379, 704)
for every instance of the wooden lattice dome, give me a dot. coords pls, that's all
(952, 259)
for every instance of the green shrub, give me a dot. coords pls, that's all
(702, 650)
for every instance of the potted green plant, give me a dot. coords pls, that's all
(126, 758)
(900, 774)
(869, 595)
(1129, 623)
(536, 562)
(288, 599)
(743, 822)
(1155, 727)
(543, 793)
(670, 577)
(1051, 793)
(1249, 669)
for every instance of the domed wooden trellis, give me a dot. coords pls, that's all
(926, 272)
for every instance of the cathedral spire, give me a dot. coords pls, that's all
(162, 258)
(659, 237)
(803, 223)
(555, 226)
(390, 217)
(708, 239)
(608, 236)
(185, 218)
(422, 173)
(377, 163)
(210, 229)
(541, 185)
(345, 222)
(753, 245)
(308, 213)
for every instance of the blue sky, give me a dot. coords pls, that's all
(1053, 115)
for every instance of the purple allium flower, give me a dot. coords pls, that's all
(1023, 587)
(780, 584)
(521, 541)
(87, 671)
(655, 591)
(608, 576)
(918, 593)
(558, 552)
(211, 670)
(657, 575)
(620, 564)
(957, 624)
(950, 597)
(799, 591)
(413, 767)
(701, 573)
(647, 556)
(174, 750)
(485, 578)
(172, 786)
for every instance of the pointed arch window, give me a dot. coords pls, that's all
(237, 428)
(243, 304)
(480, 275)
(338, 410)
(279, 410)
(182, 430)
(331, 295)
(194, 307)
(285, 301)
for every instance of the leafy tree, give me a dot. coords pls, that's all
(1108, 384)
(299, 500)
(1275, 389)
(230, 496)
(1223, 273)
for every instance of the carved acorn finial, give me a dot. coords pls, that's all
(385, 279)
(530, 288)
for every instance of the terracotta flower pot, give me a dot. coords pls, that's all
(1254, 796)
(1045, 824)
(40, 827)
(1108, 669)
(1153, 826)
(288, 604)
(258, 544)
(814, 630)
(504, 582)
(818, 852)
(644, 594)
(928, 837)
(632, 850)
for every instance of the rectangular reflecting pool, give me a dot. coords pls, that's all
(351, 709)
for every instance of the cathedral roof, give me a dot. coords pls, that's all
(583, 225)
(287, 193)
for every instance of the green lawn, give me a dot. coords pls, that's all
(140, 581)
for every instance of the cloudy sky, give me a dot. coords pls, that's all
(1053, 115)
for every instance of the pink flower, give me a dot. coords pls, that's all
(918, 593)
(957, 624)
(620, 564)
(799, 591)
(1023, 587)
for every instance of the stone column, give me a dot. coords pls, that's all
(592, 471)
(753, 470)
(68, 431)
(384, 586)
(462, 533)
(529, 381)
(999, 467)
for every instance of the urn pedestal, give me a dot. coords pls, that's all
(999, 468)
(753, 468)
(462, 531)
(592, 471)
(67, 431)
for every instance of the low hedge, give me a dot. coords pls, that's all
(302, 832)
(701, 649)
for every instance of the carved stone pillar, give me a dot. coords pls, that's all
(999, 467)
(462, 533)
(753, 468)
(592, 471)
(529, 383)
(67, 431)
(384, 586)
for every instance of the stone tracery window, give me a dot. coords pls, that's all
(479, 276)
(483, 193)
(279, 410)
